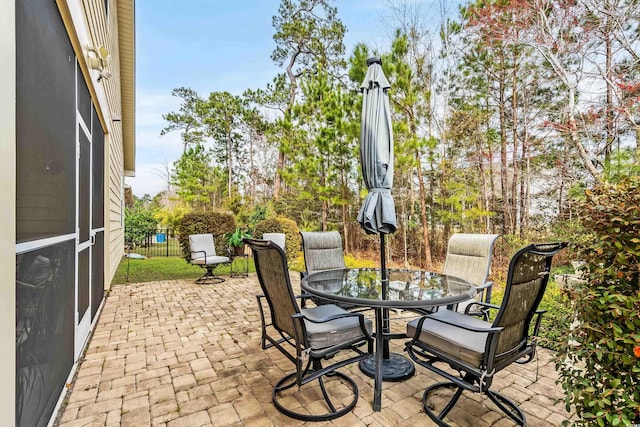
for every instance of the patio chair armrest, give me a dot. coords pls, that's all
(485, 306)
(491, 330)
(484, 286)
(198, 252)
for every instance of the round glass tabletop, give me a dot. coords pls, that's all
(406, 288)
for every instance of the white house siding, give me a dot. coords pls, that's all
(7, 216)
(104, 31)
(114, 223)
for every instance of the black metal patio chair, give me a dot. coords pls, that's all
(307, 337)
(478, 349)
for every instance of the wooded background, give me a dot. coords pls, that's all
(502, 114)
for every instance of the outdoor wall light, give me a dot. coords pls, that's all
(99, 59)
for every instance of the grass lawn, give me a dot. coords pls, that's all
(162, 268)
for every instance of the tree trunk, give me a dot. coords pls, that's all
(516, 173)
(423, 215)
(574, 137)
(277, 183)
(609, 134)
(345, 229)
(504, 183)
(229, 166)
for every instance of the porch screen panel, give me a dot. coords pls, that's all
(83, 282)
(84, 187)
(97, 273)
(44, 330)
(97, 146)
(45, 117)
(84, 99)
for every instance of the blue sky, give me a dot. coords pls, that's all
(215, 45)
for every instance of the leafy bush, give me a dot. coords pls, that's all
(220, 224)
(170, 218)
(297, 264)
(138, 220)
(599, 360)
(557, 319)
(281, 225)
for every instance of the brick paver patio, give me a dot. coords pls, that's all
(175, 354)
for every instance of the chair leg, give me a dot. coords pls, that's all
(289, 381)
(439, 418)
(508, 407)
(504, 404)
(209, 277)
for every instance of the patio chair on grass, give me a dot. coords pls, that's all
(306, 337)
(478, 349)
(469, 258)
(203, 254)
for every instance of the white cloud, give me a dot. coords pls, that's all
(148, 179)
(153, 150)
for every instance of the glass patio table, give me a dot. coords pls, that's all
(406, 289)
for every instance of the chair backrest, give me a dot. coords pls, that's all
(526, 282)
(201, 242)
(273, 275)
(322, 250)
(277, 238)
(469, 257)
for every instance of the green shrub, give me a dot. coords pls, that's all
(281, 225)
(139, 221)
(220, 224)
(297, 263)
(557, 319)
(599, 360)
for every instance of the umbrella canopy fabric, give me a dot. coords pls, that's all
(378, 212)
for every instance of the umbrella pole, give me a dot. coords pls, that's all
(385, 293)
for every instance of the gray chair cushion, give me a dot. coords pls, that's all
(215, 259)
(322, 250)
(201, 245)
(459, 343)
(277, 238)
(331, 333)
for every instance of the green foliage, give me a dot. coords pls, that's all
(599, 360)
(557, 319)
(297, 264)
(152, 269)
(310, 32)
(194, 177)
(258, 214)
(186, 120)
(235, 238)
(162, 268)
(220, 224)
(138, 220)
(324, 163)
(281, 225)
(170, 218)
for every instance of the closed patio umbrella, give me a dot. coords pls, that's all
(378, 212)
